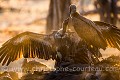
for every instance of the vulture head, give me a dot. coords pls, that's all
(72, 9)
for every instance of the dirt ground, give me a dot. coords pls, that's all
(12, 23)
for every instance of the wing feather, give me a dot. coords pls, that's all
(29, 45)
(18, 48)
(111, 34)
(87, 30)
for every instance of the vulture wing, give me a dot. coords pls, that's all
(87, 30)
(95, 33)
(111, 34)
(27, 45)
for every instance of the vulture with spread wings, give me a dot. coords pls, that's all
(94, 33)
(53, 46)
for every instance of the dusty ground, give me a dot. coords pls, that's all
(12, 23)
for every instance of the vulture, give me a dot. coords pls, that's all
(79, 46)
(95, 33)
(53, 46)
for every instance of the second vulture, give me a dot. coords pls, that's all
(94, 33)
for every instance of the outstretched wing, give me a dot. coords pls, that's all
(27, 45)
(111, 34)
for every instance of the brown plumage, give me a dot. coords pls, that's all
(95, 33)
(28, 45)
(31, 45)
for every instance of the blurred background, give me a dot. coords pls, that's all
(43, 16)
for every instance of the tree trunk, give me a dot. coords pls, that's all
(58, 11)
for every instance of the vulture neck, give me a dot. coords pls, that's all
(76, 15)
